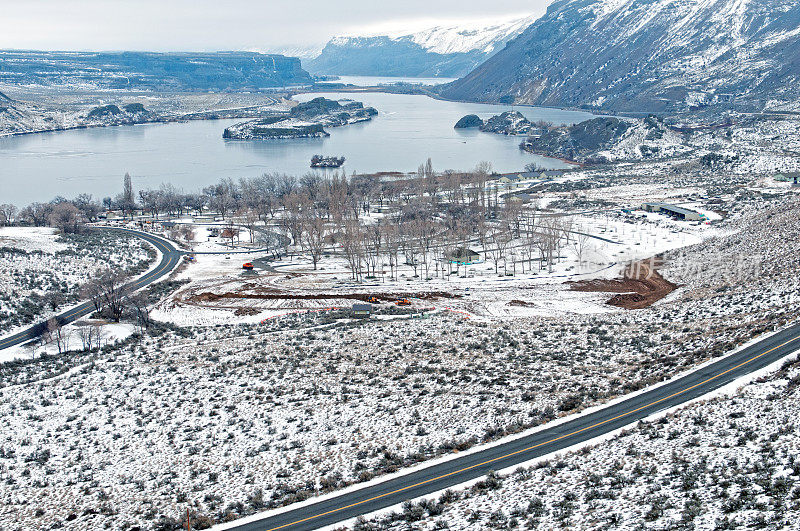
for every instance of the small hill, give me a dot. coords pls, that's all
(470, 120)
(608, 139)
(105, 110)
(508, 123)
(177, 71)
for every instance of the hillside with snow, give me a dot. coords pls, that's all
(449, 50)
(655, 56)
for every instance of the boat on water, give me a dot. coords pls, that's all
(319, 161)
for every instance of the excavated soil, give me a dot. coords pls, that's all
(641, 285)
(383, 297)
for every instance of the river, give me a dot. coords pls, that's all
(408, 130)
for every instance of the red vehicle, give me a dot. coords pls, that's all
(248, 266)
(403, 302)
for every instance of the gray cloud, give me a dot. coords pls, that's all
(221, 24)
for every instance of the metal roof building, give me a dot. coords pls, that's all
(673, 210)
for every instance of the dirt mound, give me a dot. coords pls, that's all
(383, 297)
(641, 285)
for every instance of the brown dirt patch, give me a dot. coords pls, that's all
(383, 297)
(641, 285)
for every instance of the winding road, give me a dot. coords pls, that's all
(170, 257)
(442, 475)
(581, 428)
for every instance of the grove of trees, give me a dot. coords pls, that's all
(375, 222)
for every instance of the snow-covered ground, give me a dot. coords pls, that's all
(491, 287)
(242, 399)
(40, 270)
(723, 464)
(231, 419)
(486, 36)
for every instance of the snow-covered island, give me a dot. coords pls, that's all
(507, 123)
(305, 120)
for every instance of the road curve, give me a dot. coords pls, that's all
(582, 428)
(170, 257)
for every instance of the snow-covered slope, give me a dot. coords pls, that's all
(21, 117)
(651, 55)
(445, 50)
(485, 36)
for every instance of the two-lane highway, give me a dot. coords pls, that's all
(580, 429)
(170, 257)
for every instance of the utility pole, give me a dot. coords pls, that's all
(188, 525)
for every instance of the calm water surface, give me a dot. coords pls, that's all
(192, 155)
(371, 81)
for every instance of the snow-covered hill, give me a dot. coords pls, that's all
(655, 55)
(21, 117)
(447, 50)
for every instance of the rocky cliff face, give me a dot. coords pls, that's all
(608, 139)
(648, 55)
(152, 71)
(440, 51)
(507, 123)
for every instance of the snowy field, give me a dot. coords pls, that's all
(489, 288)
(231, 419)
(41, 272)
(728, 463)
(251, 393)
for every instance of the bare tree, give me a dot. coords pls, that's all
(66, 217)
(106, 293)
(353, 247)
(374, 243)
(138, 304)
(313, 234)
(97, 333)
(54, 299)
(8, 214)
(36, 213)
(498, 243)
(58, 334)
(293, 205)
(230, 232)
(580, 242)
(86, 335)
(88, 207)
(482, 172)
(391, 240)
(249, 219)
(127, 202)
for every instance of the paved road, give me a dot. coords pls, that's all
(581, 428)
(170, 258)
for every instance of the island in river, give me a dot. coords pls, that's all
(305, 120)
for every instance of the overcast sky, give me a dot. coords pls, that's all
(206, 25)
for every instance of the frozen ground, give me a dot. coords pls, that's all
(514, 287)
(723, 464)
(228, 420)
(231, 406)
(42, 272)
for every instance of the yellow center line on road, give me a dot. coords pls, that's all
(556, 439)
(135, 285)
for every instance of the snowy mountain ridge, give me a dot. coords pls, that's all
(654, 55)
(484, 36)
(444, 50)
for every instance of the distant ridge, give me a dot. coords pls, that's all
(186, 71)
(648, 56)
(439, 51)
